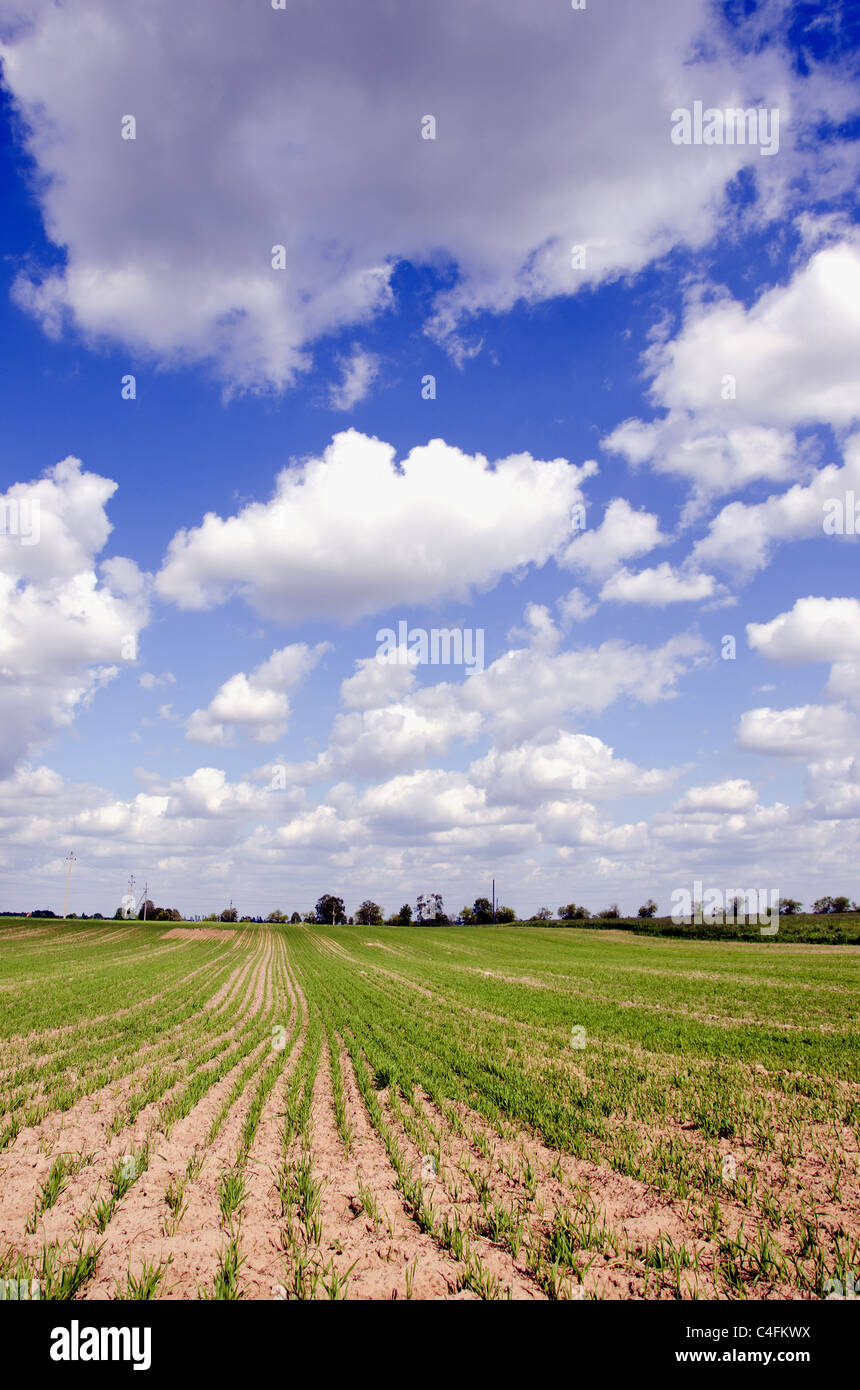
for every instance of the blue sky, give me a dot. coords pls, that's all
(566, 774)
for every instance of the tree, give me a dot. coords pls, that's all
(467, 917)
(505, 914)
(648, 909)
(736, 910)
(276, 916)
(482, 911)
(839, 904)
(404, 916)
(294, 917)
(230, 914)
(429, 909)
(543, 914)
(330, 909)
(369, 914)
(572, 912)
(609, 914)
(146, 910)
(789, 907)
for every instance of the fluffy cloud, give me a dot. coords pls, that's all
(575, 606)
(402, 733)
(65, 628)
(573, 766)
(737, 381)
(658, 586)
(827, 736)
(833, 788)
(438, 827)
(393, 724)
(735, 794)
(526, 693)
(622, 534)
(434, 801)
(815, 629)
(346, 531)
(359, 373)
(718, 844)
(257, 704)
(741, 537)
(320, 150)
(792, 353)
(375, 682)
(696, 449)
(806, 731)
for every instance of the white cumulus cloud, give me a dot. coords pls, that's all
(256, 704)
(347, 530)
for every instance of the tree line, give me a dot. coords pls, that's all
(429, 911)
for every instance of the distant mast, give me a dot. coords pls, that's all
(70, 861)
(126, 907)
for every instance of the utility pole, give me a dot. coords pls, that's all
(494, 902)
(145, 896)
(69, 860)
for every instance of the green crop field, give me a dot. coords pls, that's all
(388, 1112)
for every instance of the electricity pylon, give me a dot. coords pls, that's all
(69, 860)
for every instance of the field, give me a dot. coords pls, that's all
(381, 1112)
